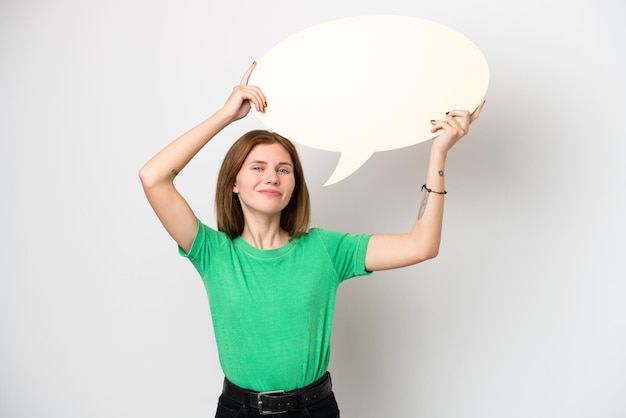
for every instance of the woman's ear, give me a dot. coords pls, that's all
(235, 189)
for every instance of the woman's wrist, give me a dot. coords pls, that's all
(438, 154)
(222, 117)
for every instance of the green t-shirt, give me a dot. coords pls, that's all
(272, 310)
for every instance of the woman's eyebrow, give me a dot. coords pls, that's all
(265, 162)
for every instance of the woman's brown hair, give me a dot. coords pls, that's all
(294, 218)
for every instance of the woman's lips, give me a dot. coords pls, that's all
(270, 192)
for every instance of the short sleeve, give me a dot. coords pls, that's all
(347, 252)
(206, 243)
(197, 244)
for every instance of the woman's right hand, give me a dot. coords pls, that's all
(243, 97)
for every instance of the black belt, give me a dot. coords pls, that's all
(280, 401)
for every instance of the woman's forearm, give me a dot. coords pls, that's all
(170, 161)
(428, 225)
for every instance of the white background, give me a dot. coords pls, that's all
(521, 315)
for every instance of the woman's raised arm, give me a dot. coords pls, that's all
(158, 174)
(389, 251)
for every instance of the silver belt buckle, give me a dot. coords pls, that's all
(260, 402)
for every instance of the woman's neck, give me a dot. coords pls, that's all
(264, 235)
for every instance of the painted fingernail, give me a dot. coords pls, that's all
(432, 121)
(447, 113)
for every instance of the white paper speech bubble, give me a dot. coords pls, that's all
(365, 84)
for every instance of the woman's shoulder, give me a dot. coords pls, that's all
(209, 233)
(330, 234)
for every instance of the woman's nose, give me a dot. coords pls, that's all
(271, 177)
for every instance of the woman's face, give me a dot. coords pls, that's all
(266, 181)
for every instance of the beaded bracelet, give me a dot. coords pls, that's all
(432, 191)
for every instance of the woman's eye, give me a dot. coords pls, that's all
(283, 170)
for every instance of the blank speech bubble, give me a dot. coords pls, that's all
(365, 84)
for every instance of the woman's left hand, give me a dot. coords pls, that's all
(455, 125)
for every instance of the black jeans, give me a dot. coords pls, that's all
(326, 408)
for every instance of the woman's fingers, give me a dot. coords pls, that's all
(457, 120)
(243, 97)
(252, 93)
(246, 76)
(454, 126)
(477, 111)
(463, 117)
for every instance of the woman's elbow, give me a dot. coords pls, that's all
(433, 253)
(147, 177)
(428, 253)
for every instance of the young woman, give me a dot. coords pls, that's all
(270, 280)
